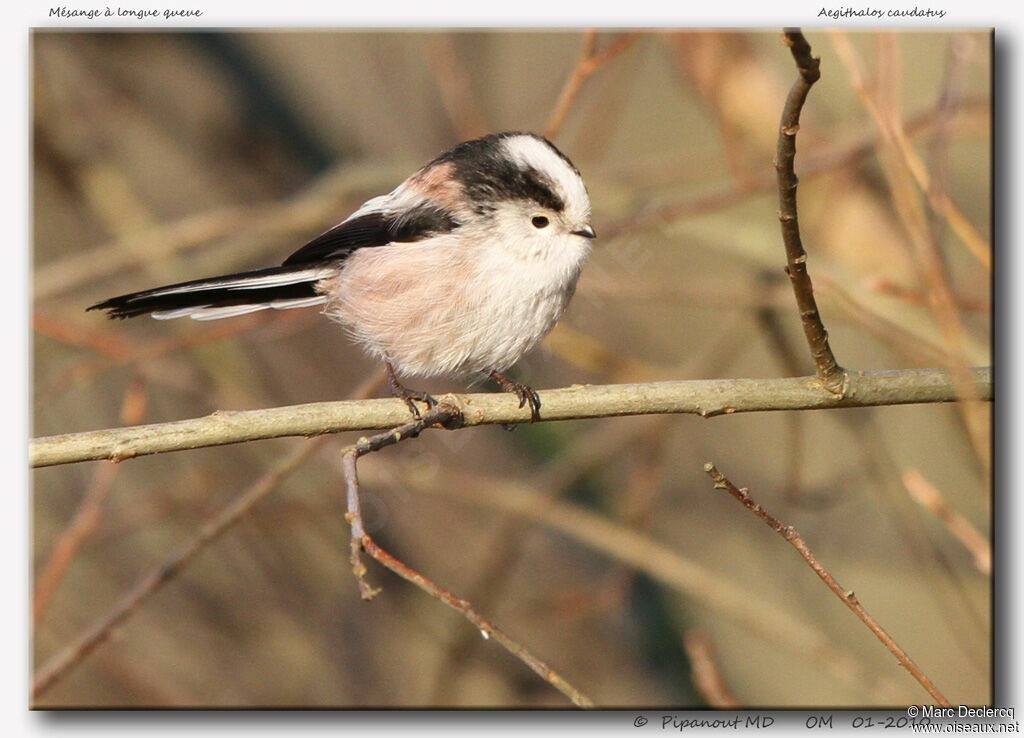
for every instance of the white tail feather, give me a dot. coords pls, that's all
(206, 312)
(274, 280)
(230, 311)
(172, 314)
(248, 283)
(298, 302)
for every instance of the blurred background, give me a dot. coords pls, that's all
(600, 545)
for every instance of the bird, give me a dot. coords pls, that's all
(457, 272)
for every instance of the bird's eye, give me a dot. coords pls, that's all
(540, 221)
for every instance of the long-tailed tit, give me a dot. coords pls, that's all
(461, 269)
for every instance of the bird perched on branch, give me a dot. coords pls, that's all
(460, 270)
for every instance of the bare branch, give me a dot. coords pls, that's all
(847, 596)
(88, 514)
(829, 371)
(895, 136)
(707, 398)
(455, 88)
(637, 550)
(447, 416)
(906, 173)
(487, 630)
(590, 61)
(926, 495)
(312, 207)
(704, 671)
(829, 160)
(59, 665)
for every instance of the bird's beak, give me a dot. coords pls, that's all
(586, 231)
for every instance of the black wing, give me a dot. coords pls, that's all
(377, 228)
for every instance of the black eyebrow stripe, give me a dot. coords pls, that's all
(537, 187)
(487, 180)
(488, 176)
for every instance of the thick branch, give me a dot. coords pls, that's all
(829, 371)
(706, 398)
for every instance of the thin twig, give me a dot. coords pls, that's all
(589, 62)
(487, 630)
(926, 495)
(915, 344)
(847, 596)
(354, 518)
(903, 167)
(60, 664)
(976, 244)
(455, 88)
(448, 416)
(632, 548)
(827, 161)
(878, 463)
(445, 415)
(829, 371)
(87, 516)
(312, 207)
(588, 451)
(704, 671)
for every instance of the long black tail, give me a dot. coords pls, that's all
(223, 297)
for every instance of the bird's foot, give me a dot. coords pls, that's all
(524, 392)
(409, 395)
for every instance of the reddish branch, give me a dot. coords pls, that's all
(89, 512)
(449, 417)
(705, 673)
(928, 496)
(589, 62)
(828, 370)
(60, 664)
(847, 596)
